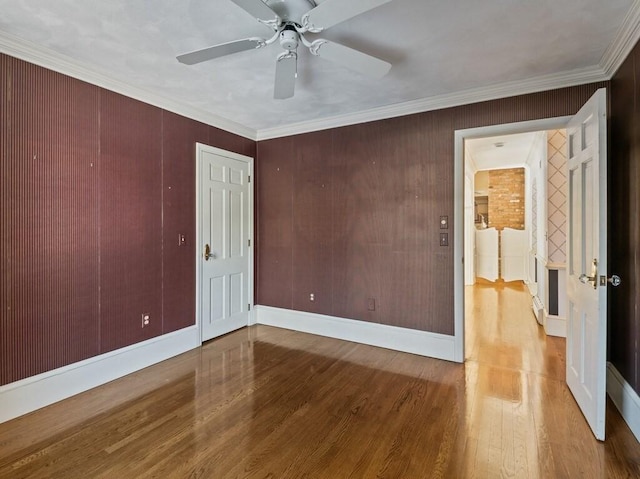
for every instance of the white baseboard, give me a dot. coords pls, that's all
(625, 398)
(27, 395)
(555, 325)
(433, 345)
(538, 309)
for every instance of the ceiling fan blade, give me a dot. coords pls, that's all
(350, 58)
(220, 50)
(332, 12)
(258, 9)
(286, 72)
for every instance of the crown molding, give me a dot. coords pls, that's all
(466, 97)
(44, 57)
(626, 38)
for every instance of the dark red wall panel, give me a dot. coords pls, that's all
(372, 231)
(178, 199)
(94, 189)
(49, 220)
(274, 212)
(130, 220)
(624, 220)
(312, 226)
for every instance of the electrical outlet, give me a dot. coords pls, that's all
(371, 304)
(146, 319)
(312, 297)
(181, 240)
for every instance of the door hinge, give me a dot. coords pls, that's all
(249, 178)
(249, 243)
(249, 306)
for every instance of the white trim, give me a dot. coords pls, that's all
(424, 343)
(467, 97)
(627, 37)
(458, 246)
(555, 325)
(616, 53)
(44, 57)
(250, 161)
(556, 266)
(458, 206)
(27, 395)
(625, 398)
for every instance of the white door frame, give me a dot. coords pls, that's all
(198, 240)
(458, 208)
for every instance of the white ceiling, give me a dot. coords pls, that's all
(513, 153)
(443, 53)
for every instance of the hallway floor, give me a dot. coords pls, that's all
(264, 402)
(522, 407)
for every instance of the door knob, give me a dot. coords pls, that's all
(593, 279)
(614, 280)
(207, 253)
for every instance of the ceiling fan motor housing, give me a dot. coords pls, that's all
(289, 39)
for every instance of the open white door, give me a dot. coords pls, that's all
(487, 254)
(587, 261)
(513, 254)
(224, 250)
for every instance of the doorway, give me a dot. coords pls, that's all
(586, 245)
(463, 253)
(224, 235)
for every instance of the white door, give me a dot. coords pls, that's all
(513, 254)
(487, 254)
(587, 260)
(224, 249)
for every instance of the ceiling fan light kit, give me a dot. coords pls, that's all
(291, 19)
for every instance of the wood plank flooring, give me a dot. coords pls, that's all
(269, 403)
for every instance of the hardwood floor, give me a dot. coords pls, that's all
(270, 403)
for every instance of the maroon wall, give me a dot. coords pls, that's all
(353, 213)
(624, 219)
(95, 188)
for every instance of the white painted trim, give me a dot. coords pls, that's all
(627, 37)
(555, 325)
(556, 266)
(467, 97)
(424, 343)
(458, 246)
(458, 207)
(35, 392)
(198, 259)
(44, 57)
(625, 398)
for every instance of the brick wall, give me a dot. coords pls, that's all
(506, 198)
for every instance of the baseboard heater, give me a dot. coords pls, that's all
(538, 308)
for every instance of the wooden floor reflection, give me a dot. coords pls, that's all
(269, 403)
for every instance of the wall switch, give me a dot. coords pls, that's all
(444, 222)
(444, 239)
(181, 240)
(146, 319)
(371, 304)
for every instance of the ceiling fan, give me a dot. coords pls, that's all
(291, 19)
